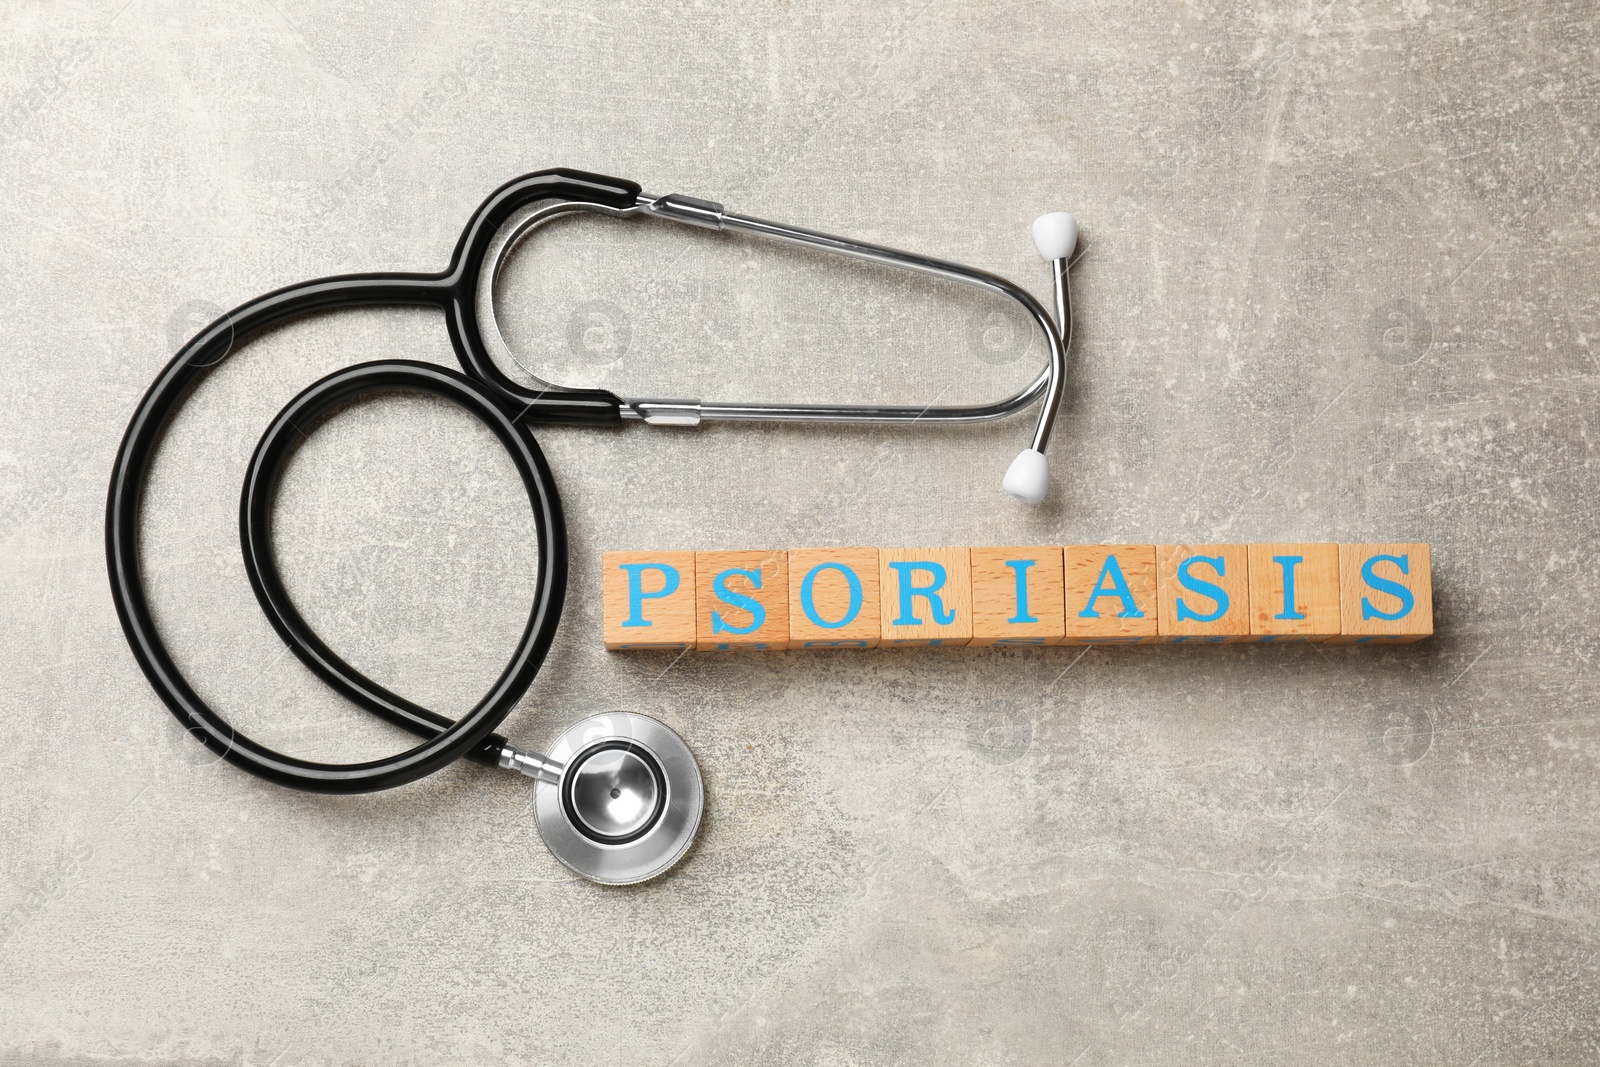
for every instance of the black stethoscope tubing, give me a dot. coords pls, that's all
(500, 403)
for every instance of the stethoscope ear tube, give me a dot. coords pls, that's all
(450, 291)
(472, 734)
(445, 741)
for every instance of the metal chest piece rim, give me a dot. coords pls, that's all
(628, 802)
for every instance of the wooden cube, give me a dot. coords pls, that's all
(1110, 594)
(1017, 596)
(647, 599)
(1294, 592)
(741, 600)
(1385, 593)
(1204, 592)
(833, 598)
(926, 596)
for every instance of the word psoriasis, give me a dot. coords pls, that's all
(1050, 595)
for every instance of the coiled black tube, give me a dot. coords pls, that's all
(279, 442)
(500, 403)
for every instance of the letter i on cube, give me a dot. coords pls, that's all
(1294, 592)
(1016, 596)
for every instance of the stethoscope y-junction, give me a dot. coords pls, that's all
(619, 795)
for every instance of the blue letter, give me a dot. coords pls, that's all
(636, 594)
(1287, 564)
(908, 593)
(1204, 588)
(1021, 567)
(809, 606)
(1384, 585)
(758, 614)
(1111, 570)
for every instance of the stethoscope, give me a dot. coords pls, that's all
(618, 796)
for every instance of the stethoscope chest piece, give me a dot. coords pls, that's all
(628, 800)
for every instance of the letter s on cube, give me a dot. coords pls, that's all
(741, 600)
(1204, 592)
(1385, 593)
(648, 599)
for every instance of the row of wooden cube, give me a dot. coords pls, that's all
(1037, 595)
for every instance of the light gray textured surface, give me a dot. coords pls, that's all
(1340, 284)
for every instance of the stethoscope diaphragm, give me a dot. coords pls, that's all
(627, 802)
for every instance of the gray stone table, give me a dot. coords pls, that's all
(1339, 283)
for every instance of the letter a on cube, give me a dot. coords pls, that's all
(1110, 594)
(741, 600)
(648, 599)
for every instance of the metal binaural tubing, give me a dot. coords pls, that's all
(1048, 383)
(1058, 381)
(710, 215)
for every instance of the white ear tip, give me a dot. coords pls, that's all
(1055, 235)
(1028, 476)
